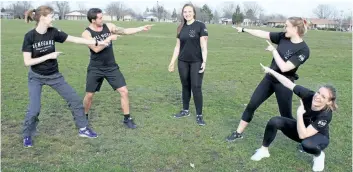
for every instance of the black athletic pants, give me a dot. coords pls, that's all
(264, 90)
(313, 145)
(191, 80)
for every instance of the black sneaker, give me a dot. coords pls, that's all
(235, 135)
(130, 123)
(182, 113)
(200, 120)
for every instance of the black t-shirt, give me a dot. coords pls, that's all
(320, 120)
(190, 48)
(43, 44)
(104, 58)
(295, 53)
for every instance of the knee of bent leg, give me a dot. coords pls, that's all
(89, 96)
(275, 121)
(123, 91)
(310, 147)
(33, 111)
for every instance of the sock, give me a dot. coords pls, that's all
(81, 129)
(186, 110)
(126, 117)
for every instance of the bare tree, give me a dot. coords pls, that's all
(228, 9)
(252, 8)
(160, 11)
(116, 9)
(19, 8)
(216, 17)
(62, 7)
(323, 11)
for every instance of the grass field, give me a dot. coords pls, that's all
(162, 143)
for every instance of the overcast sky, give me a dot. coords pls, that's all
(302, 8)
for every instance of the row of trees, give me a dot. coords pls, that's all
(249, 10)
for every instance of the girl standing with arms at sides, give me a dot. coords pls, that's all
(191, 51)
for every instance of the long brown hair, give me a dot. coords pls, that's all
(34, 14)
(300, 23)
(183, 20)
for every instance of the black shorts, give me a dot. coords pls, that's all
(95, 77)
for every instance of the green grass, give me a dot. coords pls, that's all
(162, 143)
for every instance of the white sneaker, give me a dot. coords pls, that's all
(260, 153)
(319, 162)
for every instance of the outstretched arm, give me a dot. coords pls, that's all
(127, 31)
(255, 32)
(282, 79)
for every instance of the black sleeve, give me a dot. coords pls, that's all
(302, 92)
(300, 57)
(203, 31)
(322, 121)
(60, 36)
(275, 37)
(27, 45)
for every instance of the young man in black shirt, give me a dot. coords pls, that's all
(102, 61)
(291, 52)
(40, 54)
(311, 128)
(191, 51)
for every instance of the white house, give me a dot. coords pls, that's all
(128, 18)
(107, 17)
(150, 18)
(75, 15)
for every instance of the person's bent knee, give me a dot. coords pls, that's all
(89, 96)
(275, 121)
(123, 91)
(310, 147)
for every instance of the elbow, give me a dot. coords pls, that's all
(284, 69)
(302, 136)
(27, 64)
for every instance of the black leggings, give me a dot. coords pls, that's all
(191, 79)
(263, 91)
(313, 145)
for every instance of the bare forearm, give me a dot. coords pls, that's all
(79, 40)
(175, 54)
(258, 33)
(34, 61)
(282, 79)
(301, 126)
(279, 61)
(204, 54)
(99, 48)
(129, 31)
